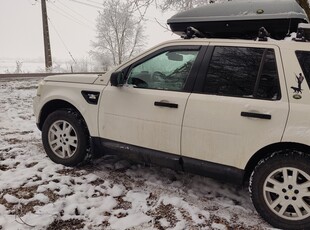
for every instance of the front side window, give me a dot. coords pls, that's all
(166, 71)
(243, 72)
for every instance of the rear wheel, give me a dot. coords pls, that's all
(65, 137)
(280, 190)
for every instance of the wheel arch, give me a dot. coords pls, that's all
(268, 151)
(52, 106)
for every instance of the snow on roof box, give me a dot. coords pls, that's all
(241, 19)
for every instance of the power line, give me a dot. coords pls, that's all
(68, 15)
(72, 19)
(95, 2)
(87, 4)
(101, 8)
(75, 12)
(64, 44)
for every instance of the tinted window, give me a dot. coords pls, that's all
(304, 61)
(166, 71)
(243, 72)
(268, 83)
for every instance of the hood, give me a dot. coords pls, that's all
(73, 78)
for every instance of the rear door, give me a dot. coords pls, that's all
(239, 105)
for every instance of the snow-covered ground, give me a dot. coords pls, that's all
(26, 66)
(109, 193)
(21, 65)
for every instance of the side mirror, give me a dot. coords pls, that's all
(117, 78)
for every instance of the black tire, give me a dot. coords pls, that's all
(65, 137)
(279, 191)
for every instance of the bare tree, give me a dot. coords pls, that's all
(305, 5)
(101, 60)
(180, 5)
(119, 31)
(19, 65)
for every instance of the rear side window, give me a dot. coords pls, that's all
(304, 61)
(243, 72)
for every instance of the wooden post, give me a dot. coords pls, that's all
(47, 45)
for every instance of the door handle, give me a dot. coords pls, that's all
(166, 104)
(256, 115)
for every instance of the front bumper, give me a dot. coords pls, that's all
(36, 111)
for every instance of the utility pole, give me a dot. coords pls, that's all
(47, 45)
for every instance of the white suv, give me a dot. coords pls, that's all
(236, 110)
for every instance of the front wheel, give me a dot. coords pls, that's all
(280, 190)
(65, 137)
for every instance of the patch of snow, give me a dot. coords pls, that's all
(129, 221)
(216, 226)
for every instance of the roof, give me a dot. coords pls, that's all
(287, 44)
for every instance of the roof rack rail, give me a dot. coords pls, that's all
(192, 32)
(263, 34)
(303, 32)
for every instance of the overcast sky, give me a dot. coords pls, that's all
(71, 26)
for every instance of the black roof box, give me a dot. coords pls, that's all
(241, 19)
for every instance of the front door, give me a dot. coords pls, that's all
(147, 111)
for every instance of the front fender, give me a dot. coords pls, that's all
(54, 93)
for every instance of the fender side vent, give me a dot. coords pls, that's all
(91, 96)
